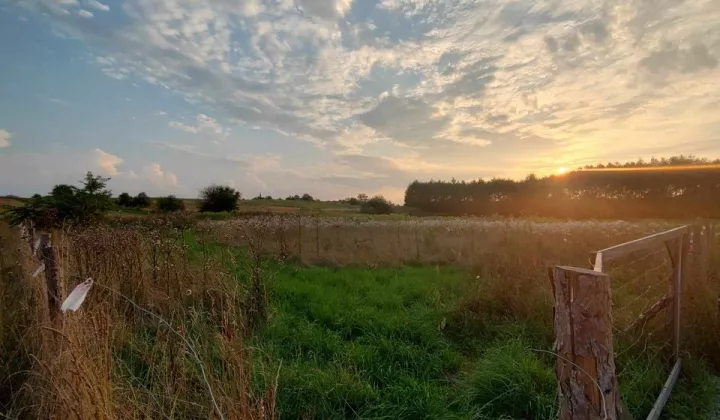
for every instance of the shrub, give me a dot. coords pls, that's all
(170, 204)
(307, 197)
(377, 205)
(219, 198)
(66, 204)
(142, 200)
(124, 200)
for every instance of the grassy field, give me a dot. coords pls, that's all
(305, 317)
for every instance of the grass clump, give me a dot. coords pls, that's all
(510, 381)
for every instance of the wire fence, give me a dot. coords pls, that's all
(640, 285)
(632, 299)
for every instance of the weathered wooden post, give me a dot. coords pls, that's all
(52, 277)
(585, 365)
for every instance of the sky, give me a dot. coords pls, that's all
(341, 97)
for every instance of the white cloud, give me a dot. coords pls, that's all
(160, 113)
(98, 6)
(203, 124)
(177, 125)
(85, 14)
(4, 138)
(160, 178)
(452, 83)
(107, 163)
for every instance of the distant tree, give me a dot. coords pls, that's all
(352, 201)
(292, 197)
(258, 197)
(362, 198)
(66, 204)
(141, 200)
(124, 200)
(307, 197)
(268, 197)
(219, 198)
(676, 187)
(377, 205)
(170, 204)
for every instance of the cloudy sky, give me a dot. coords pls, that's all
(339, 97)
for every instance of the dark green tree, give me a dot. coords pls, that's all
(377, 205)
(170, 203)
(219, 198)
(141, 201)
(124, 200)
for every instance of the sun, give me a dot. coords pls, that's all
(561, 171)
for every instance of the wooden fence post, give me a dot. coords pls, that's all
(585, 365)
(52, 278)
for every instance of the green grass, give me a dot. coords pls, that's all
(360, 343)
(427, 342)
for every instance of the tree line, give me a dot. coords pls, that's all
(676, 187)
(68, 204)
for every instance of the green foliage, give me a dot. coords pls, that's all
(217, 198)
(383, 342)
(510, 381)
(376, 205)
(141, 201)
(66, 204)
(124, 200)
(361, 343)
(678, 187)
(170, 204)
(307, 197)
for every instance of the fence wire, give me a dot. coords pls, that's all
(642, 299)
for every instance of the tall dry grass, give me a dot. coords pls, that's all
(509, 258)
(459, 241)
(160, 335)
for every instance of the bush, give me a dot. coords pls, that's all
(170, 204)
(124, 200)
(377, 205)
(142, 200)
(66, 204)
(307, 197)
(219, 198)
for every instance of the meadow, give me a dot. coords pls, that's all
(304, 316)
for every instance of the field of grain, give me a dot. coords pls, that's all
(322, 317)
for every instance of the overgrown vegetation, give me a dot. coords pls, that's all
(376, 205)
(218, 198)
(170, 204)
(139, 201)
(113, 359)
(66, 204)
(322, 317)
